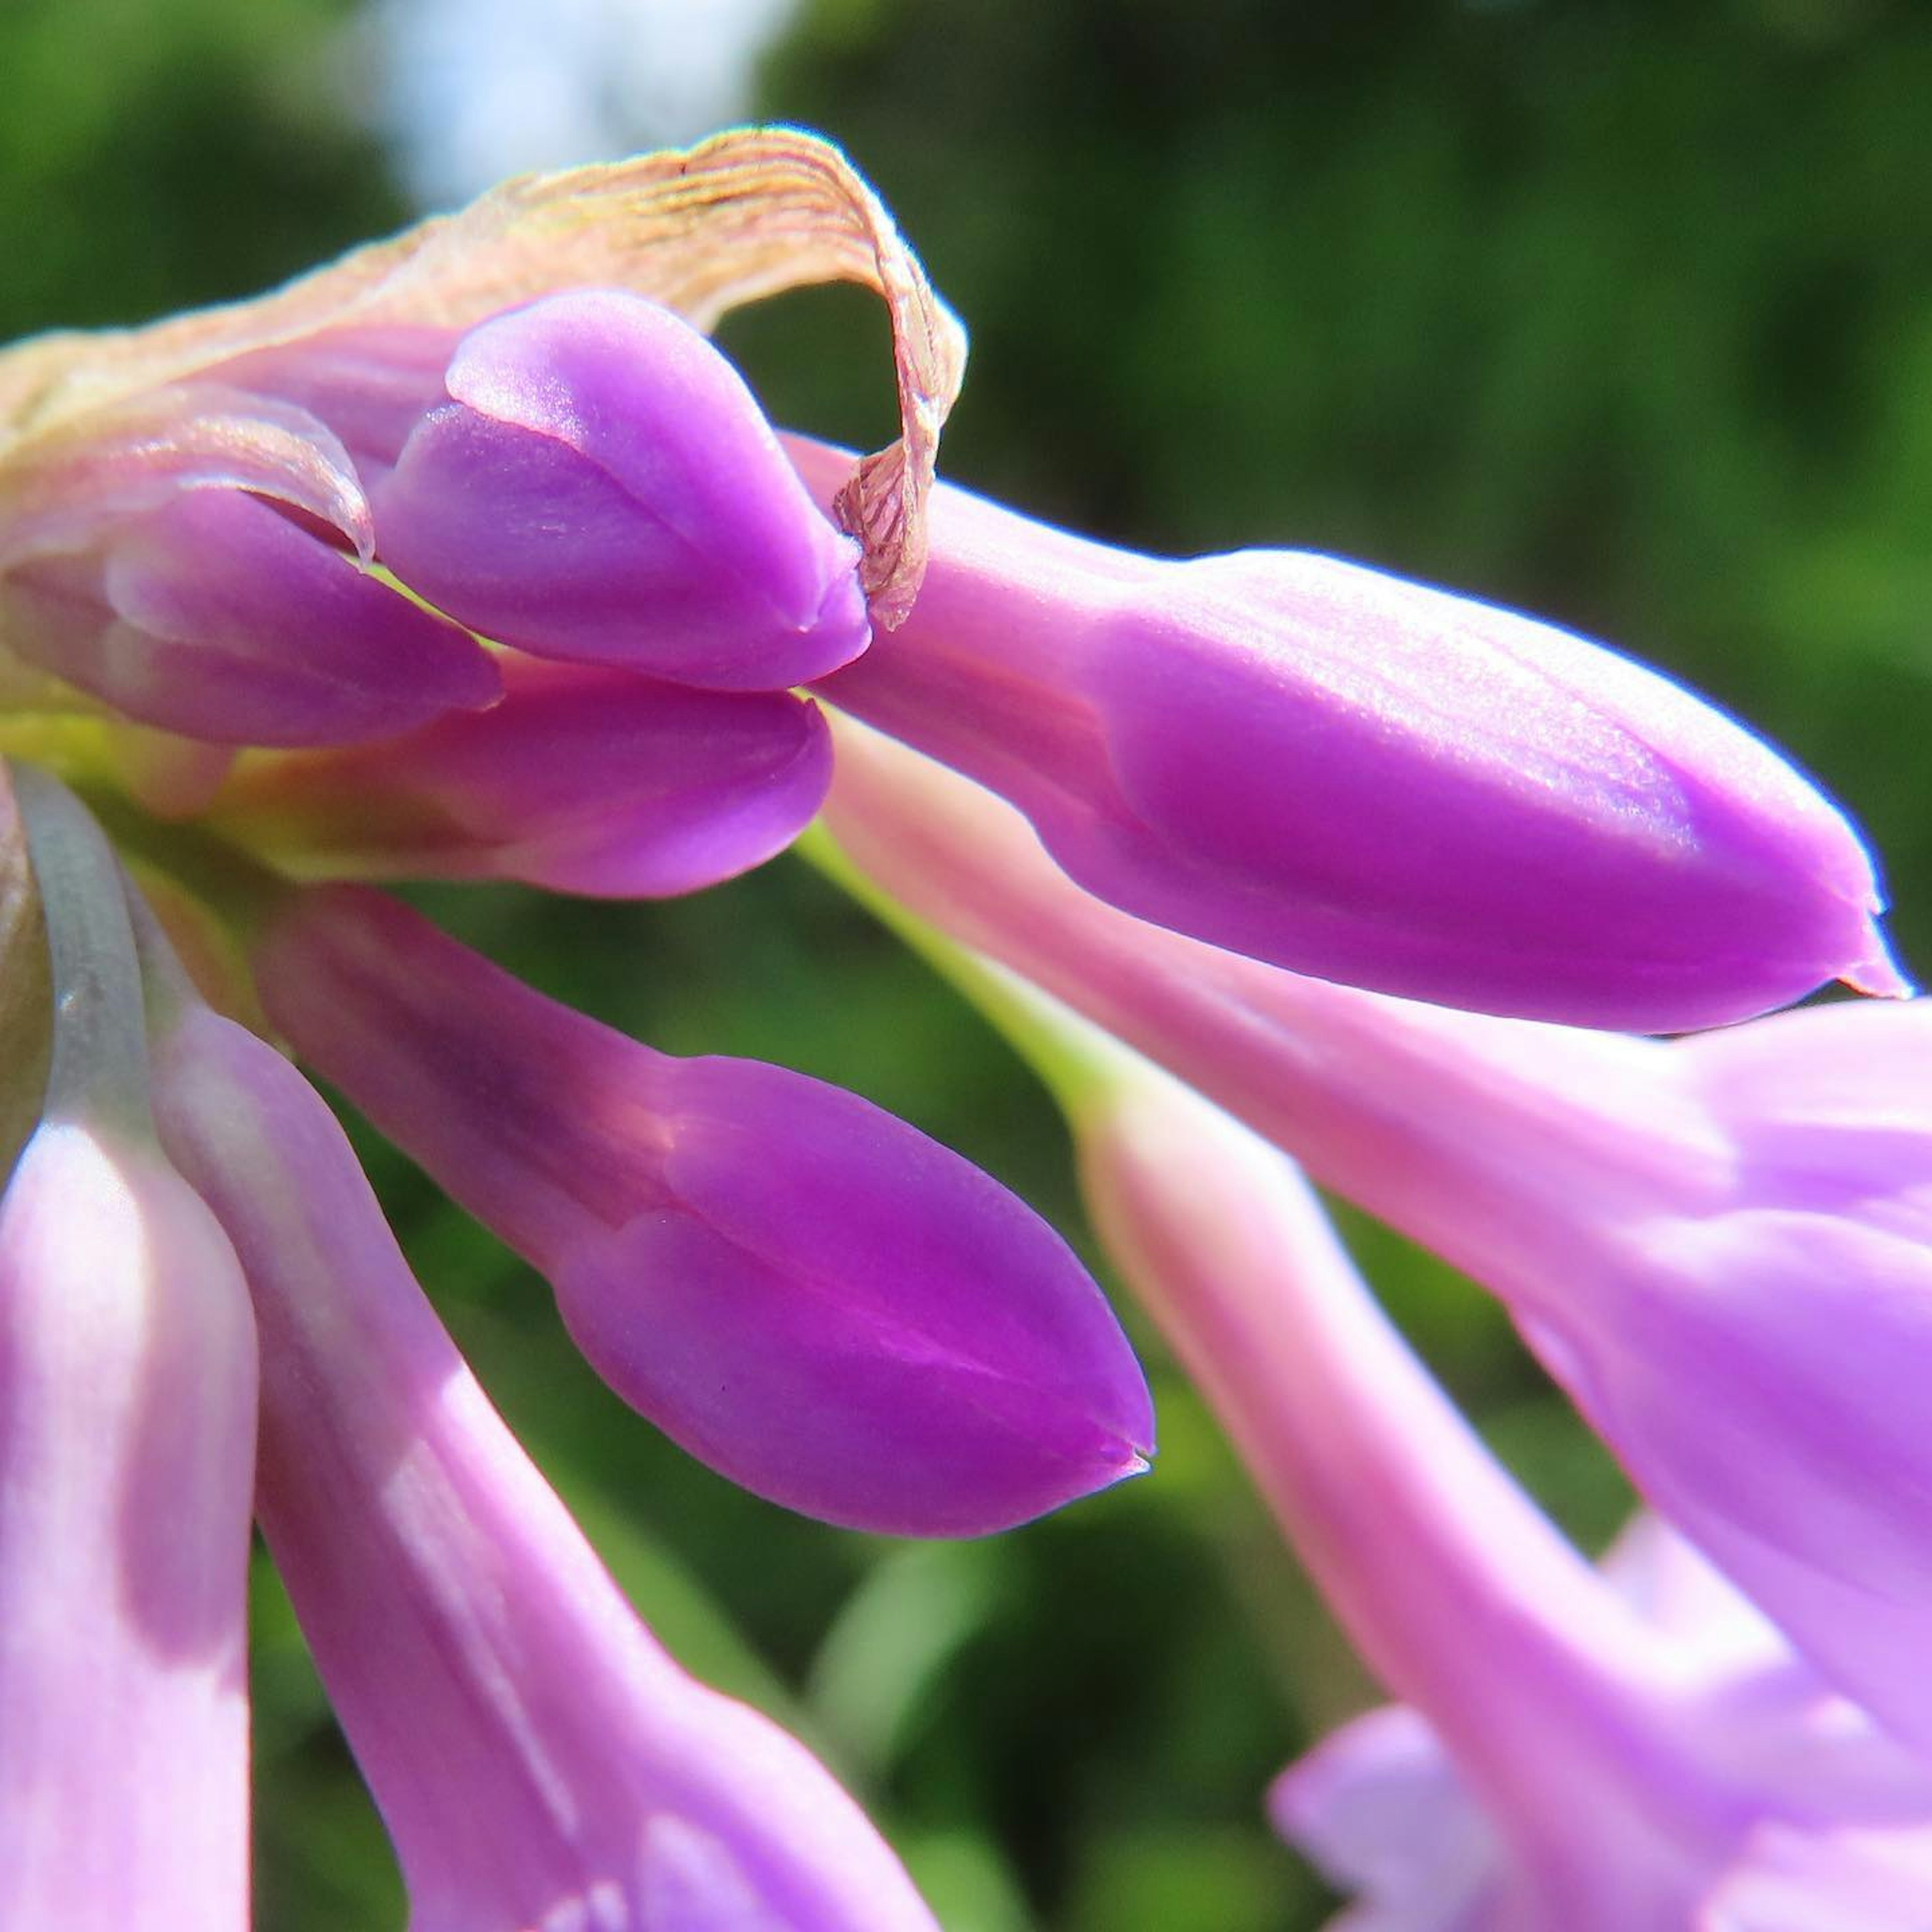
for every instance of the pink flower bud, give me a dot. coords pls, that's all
(216, 615)
(1720, 1246)
(126, 1438)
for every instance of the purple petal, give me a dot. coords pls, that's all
(216, 616)
(819, 1301)
(1379, 1808)
(582, 779)
(603, 487)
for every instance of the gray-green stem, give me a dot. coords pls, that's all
(99, 1067)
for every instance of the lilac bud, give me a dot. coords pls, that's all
(216, 615)
(538, 1759)
(805, 1292)
(602, 487)
(1336, 771)
(583, 779)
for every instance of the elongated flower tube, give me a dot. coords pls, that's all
(1833, 1822)
(540, 1761)
(1600, 1753)
(1338, 772)
(209, 613)
(583, 779)
(804, 1292)
(127, 1378)
(602, 487)
(1720, 1246)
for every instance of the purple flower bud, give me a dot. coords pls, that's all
(1722, 1246)
(1651, 1754)
(583, 779)
(216, 615)
(602, 487)
(805, 1292)
(1338, 772)
(538, 1759)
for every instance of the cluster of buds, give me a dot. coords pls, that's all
(469, 557)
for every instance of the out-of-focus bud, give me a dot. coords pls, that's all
(216, 615)
(1365, 779)
(127, 1428)
(805, 1292)
(583, 779)
(1641, 1748)
(602, 487)
(538, 1758)
(128, 1382)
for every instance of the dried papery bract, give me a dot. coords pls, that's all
(745, 215)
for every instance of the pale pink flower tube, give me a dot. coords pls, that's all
(540, 1761)
(1638, 1749)
(127, 1438)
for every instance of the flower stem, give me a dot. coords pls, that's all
(99, 1066)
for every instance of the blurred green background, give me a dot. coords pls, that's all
(1620, 313)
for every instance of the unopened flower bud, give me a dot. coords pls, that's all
(216, 615)
(583, 779)
(804, 1291)
(602, 487)
(1367, 780)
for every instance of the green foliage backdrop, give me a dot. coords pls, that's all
(1620, 313)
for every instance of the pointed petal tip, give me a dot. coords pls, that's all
(1880, 977)
(842, 620)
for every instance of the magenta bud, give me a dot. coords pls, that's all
(1372, 781)
(583, 779)
(602, 487)
(808, 1294)
(216, 616)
